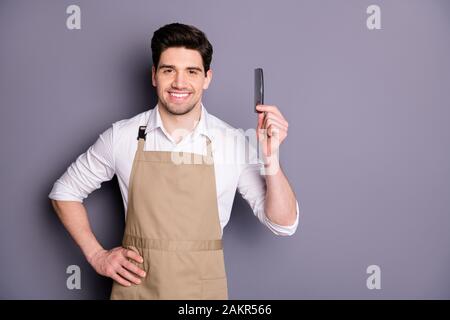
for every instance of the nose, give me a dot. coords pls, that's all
(180, 81)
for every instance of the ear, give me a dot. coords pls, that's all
(208, 79)
(153, 76)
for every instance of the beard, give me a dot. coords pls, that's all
(177, 110)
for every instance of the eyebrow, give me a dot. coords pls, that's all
(173, 67)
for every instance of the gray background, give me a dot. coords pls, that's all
(367, 152)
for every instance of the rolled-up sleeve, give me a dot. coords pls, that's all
(87, 172)
(252, 187)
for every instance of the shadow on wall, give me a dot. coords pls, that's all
(106, 215)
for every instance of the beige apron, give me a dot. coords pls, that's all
(173, 223)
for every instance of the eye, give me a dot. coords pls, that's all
(167, 71)
(193, 71)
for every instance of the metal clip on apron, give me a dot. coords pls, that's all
(173, 223)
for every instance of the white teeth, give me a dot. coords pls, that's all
(179, 95)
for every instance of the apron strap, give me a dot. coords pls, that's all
(141, 138)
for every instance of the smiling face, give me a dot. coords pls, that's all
(180, 80)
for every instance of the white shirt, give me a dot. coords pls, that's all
(114, 151)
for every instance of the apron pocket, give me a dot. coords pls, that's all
(214, 289)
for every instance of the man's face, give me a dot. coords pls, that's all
(180, 80)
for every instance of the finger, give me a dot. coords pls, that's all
(279, 124)
(134, 268)
(273, 141)
(267, 108)
(259, 133)
(128, 275)
(280, 119)
(277, 118)
(276, 134)
(271, 120)
(260, 120)
(262, 134)
(133, 255)
(266, 132)
(262, 138)
(120, 280)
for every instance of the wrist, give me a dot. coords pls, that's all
(90, 254)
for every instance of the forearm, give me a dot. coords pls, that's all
(74, 217)
(280, 203)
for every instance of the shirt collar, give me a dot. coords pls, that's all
(154, 121)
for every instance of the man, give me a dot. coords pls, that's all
(175, 210)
